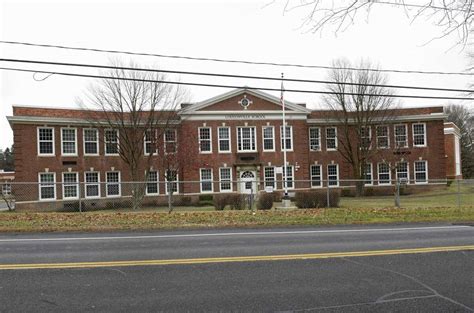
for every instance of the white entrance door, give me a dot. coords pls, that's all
(248, 182)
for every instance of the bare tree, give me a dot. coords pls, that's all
(127, 107)
(452, 16)
(356, 105)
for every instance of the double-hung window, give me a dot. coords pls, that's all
(223, 134)
(314, 139)
(47, 186)
(316, 171)
(92, 186)
(268, 138)
(206, 180)
(421, 172)
(171, 181)
(401, 137)
(365, 137)
(246, 139)
(45, 141)
(290, 174)
(113, 184)
(205, 140)
(333, 175)
(149, 142)
(367, 174)
(225, 179)
(288, 137)
(111, 138)
(70, 186)
(269, 176)
(91, 141)
(419, 135)
(331, 138)
(6, 189)
(402, 172)
(152, 183)
(68, 141)
(170, 139)
(383, 141)
(384, 173)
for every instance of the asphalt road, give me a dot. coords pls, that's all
(413, 282)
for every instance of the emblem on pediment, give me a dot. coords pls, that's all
(245, 102)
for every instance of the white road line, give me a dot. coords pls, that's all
(260, 233)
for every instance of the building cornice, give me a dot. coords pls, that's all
(65, 121)
(395, 119)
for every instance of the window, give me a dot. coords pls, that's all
(401, 136)
(171, 181)
(288, 137)
(111, 141)
(384, 174)
(314, 139)
(246, 139)
(223, 134)
(206, 180)
(331, 138)
(6, 188)
(68, 141)
(92, 184)
(269, 176)
(45, 141)
(47, 186)
(70, 186)
(315, 172)
(383, 141)
(365, 137)
(113, 184)
(170, 141)
(205, 140)
(402, 172)
(289, 176)
(421, 172)
(419, 135)
(149, 142)
(333, 175)
(91, 141)
(152, 183)
(268, 138)
(225, 177)
(367, 174)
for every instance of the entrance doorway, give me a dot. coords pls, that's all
(248, 182)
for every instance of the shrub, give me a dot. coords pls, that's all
(369, 192)
(206, 200)
(265, 201)
(220, 202)
(346, 193)
(237, 201)
(185, 201)
(317, 199)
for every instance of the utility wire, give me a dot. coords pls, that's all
(228, 86)
(419, 6)
(327, 67)
(110, 67)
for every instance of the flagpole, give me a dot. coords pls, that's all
(285, 184)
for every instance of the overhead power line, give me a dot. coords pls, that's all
(327, 67)
(113, 67)
(227, 86)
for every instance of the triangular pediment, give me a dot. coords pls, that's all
(244, 100)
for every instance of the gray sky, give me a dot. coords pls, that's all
(221, 29)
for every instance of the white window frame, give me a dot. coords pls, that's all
(288, 181)
(389, 174)
(150, 141)
(86, 184)
(70, 184)
(311, 138)
(335, 138)
(52, 141)
(415, 172)
(200, 140)
(337, 175)
(105, 141)
(362, 138)
(166, 142)
(254, 137)
(225, 180)
(153, 182)
(47, 185)
(312, 177)
(395, 135)
(119, 183)
(75, 141)
(387, 136)
(272, 138)
(371, 175)
(6, 189)
(207, 181)
(96, 140)
(228, 139)
(413, 135)
(270, 181)
(291, 138)
(172, 182)
(408, 171)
